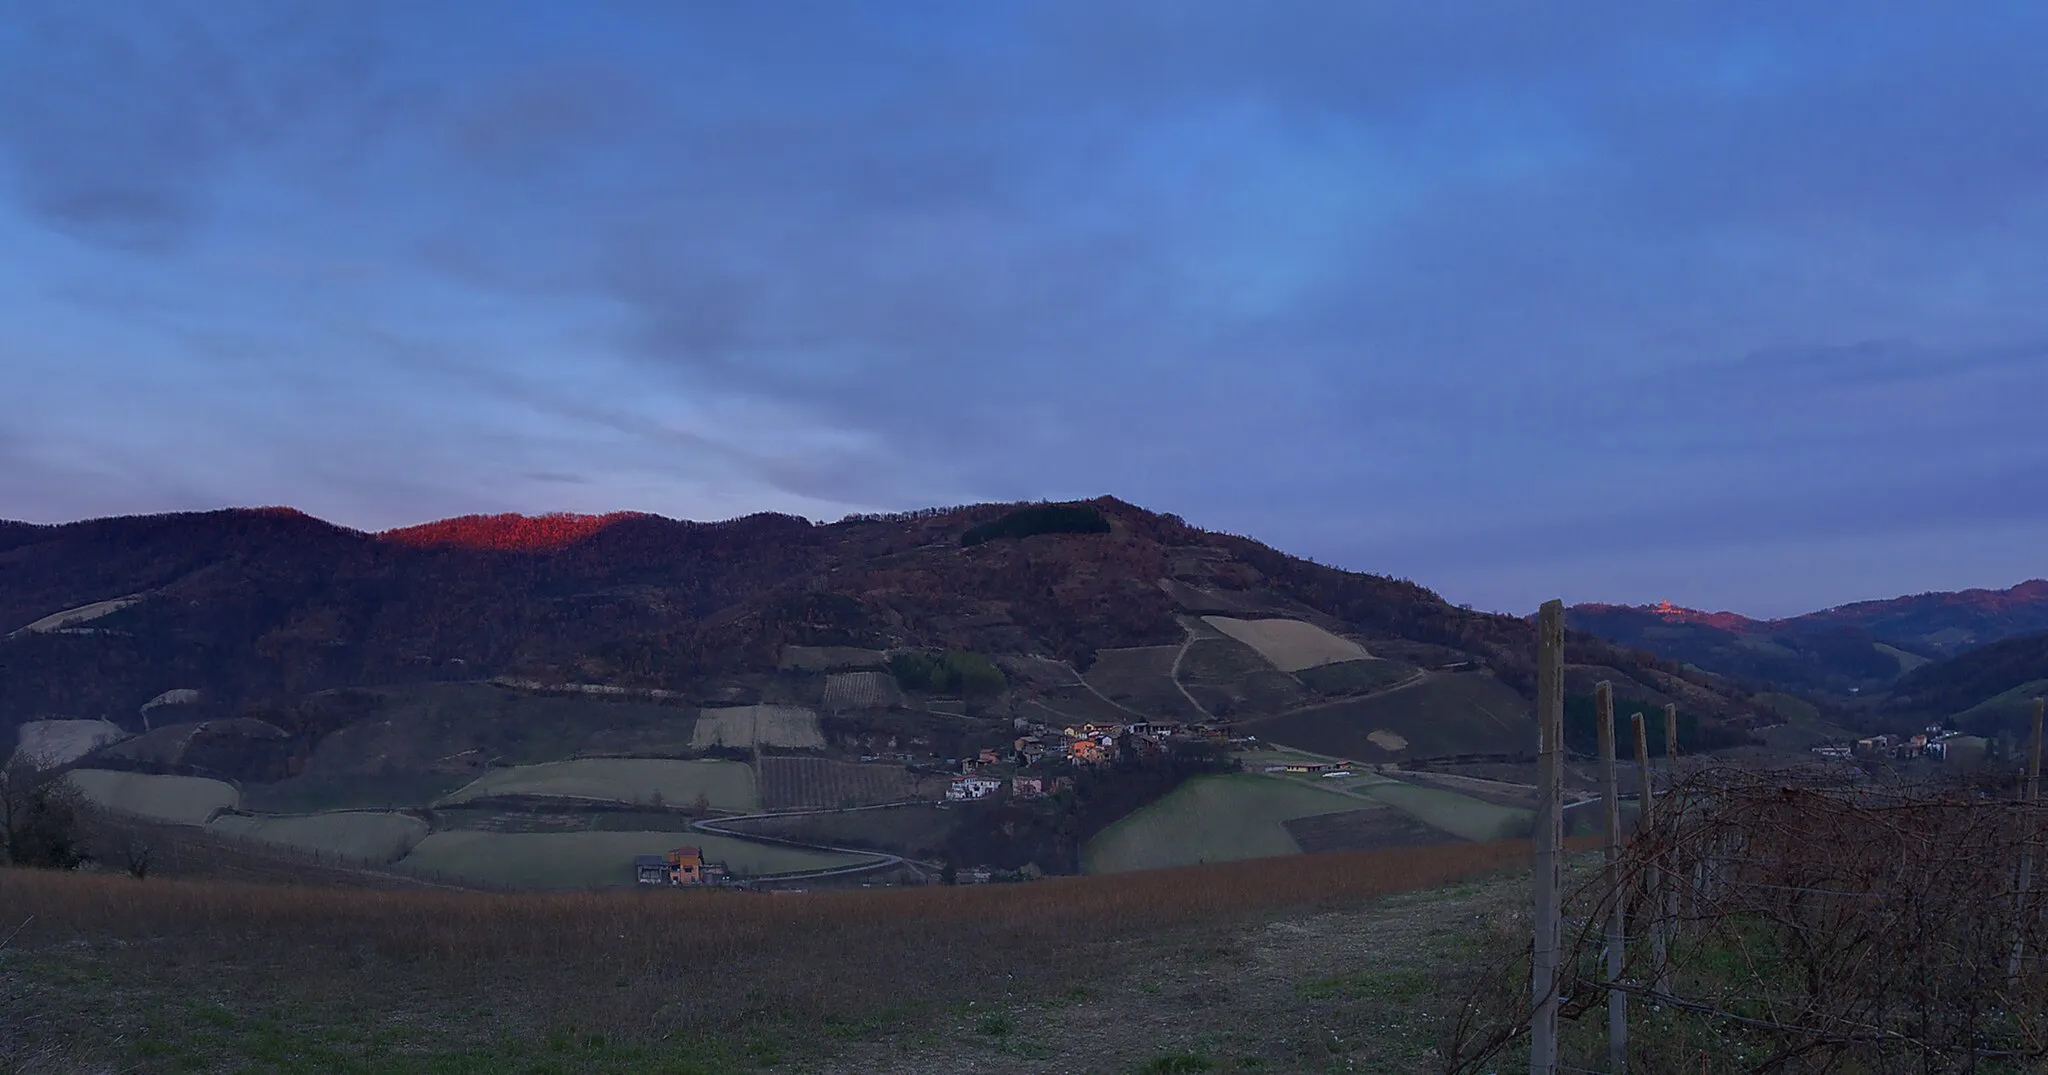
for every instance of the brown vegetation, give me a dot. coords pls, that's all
(637, 962)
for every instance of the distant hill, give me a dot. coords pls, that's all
(1855, 648)
(258, 607)
(1988, 690)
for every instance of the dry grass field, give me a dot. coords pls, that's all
(1463, 713)
(1284, 965)
(72, 617)
(757, 725)
(1290, 644)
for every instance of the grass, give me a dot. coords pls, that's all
(571, 860)
(1291, 645)
(1463, 713)
(310, 793)
(1460, 815)
(1213, 819)
(60, 742)
(373, 835)
(188, 800)
(729, 785)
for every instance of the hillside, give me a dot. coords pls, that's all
(631, 674)
(1986, 691)
(1854, 648)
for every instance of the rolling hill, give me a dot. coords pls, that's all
(318, 668)
(1854, 648)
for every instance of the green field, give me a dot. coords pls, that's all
(1460, 815)
(1462, 713)
(569, 860)
(361, 834)
(186, 800)
(1213, 819)
(729, 785)
(310, 794)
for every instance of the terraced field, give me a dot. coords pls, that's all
(790, 783)
(574, 860)
(728, 785)
(1214, 819)
(1232, 680)
(375, 835)
(186, 800)
(1291, 645)
(757, 725)
(1463, 713)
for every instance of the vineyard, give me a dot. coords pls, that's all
(790, 783)
(860, 690)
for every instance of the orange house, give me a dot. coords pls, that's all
(686, 866)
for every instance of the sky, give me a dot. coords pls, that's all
(1739, 305)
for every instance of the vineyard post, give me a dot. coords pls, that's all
(1610, 795)
(2019, 926)
(1653, 888)
(1549, 835)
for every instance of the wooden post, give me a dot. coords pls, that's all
(1617, 937)
(1653, 887)
(2032, 831)
(1548, 837)
(1671, 775)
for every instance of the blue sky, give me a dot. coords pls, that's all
(1742, 305)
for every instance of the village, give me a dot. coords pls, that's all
(1936, 743)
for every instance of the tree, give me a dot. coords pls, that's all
(949, 874)
(39, 813)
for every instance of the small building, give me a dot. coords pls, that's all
(1087, 752)
(988, 757)
(1027, 787)
(681, 866)
(972, 787)
(650, 870)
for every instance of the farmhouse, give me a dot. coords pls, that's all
(681, 866)
(973, 787)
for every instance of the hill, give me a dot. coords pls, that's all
(1987, 691)
(454, 669)
(1854, 648)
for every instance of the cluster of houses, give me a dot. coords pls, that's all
(1936, 742)
(1316, 768)
(681, 866)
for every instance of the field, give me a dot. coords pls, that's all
(1354, 677)
(369, 791)
(1362, 830)
(51, 743)
(1299, 964)
(861, 690)
(1231, 679)
(823, 784)
(1907, 661)
(1459, 815)
(757, 725)
(1213, 819)
(1290, 644)
(729, 785)
(829, 658)
(71, 617)
(917, 832)
(1071, 705)
(571, 860)
(1141, 678)
(365, 834)
(188, 800)
(410, 729)
(1463, 713)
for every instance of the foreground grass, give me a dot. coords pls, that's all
(209, 976)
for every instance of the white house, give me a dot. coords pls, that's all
(972, 787)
